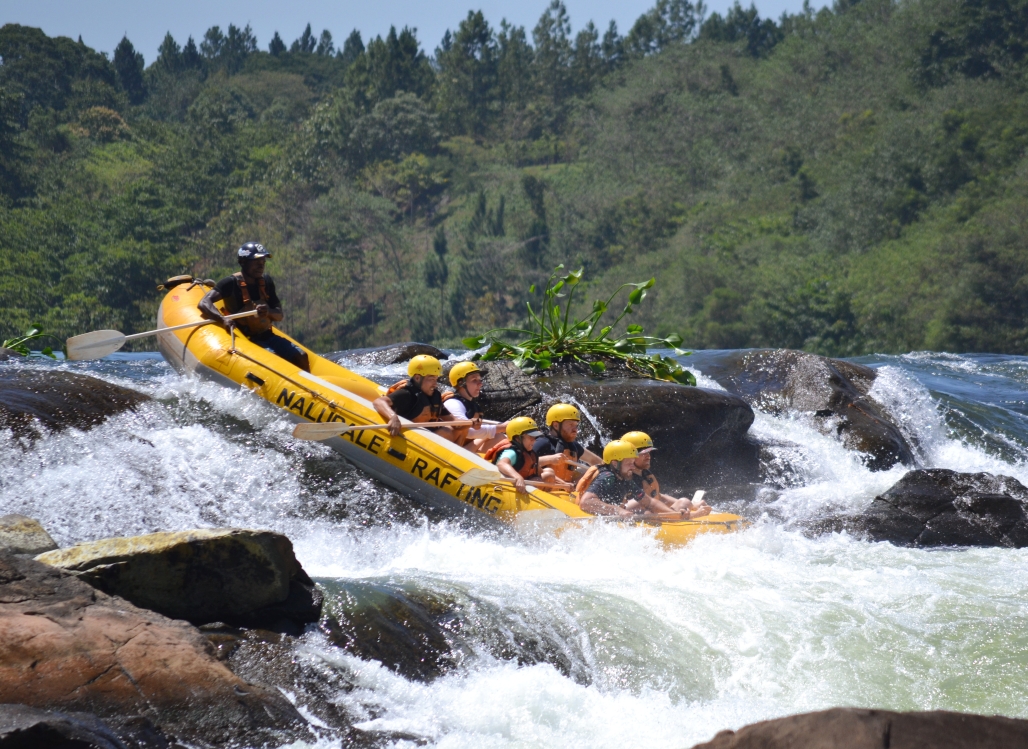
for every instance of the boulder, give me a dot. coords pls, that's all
(66, 646)
(833, 392)
(506, 390)
(23, 535)
(230, 575)
(24, 727)
(6, 354)
(939, 507)
(394, 353)
(58, 399)
(700, 433)
(852, 728)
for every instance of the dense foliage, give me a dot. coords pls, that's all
(843, 181)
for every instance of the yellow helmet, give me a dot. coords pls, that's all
(522, 425)
(424, 365)
(461, 371)
(641, 440)
(562, 412)
(619, 450)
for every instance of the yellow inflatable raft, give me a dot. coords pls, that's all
(419, 463)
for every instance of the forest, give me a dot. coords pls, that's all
(845, 181)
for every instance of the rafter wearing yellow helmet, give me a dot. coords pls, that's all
(514, 457)
(463, 403)
(559, 450)
(417, 398)
(650, 487)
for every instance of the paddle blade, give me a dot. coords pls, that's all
(308, 431)
(94, 345)
(482, 477)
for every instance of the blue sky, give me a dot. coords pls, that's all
(102, 23)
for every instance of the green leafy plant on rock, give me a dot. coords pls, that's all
(19, 344)
(555, 337)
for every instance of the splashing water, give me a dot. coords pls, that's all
(643, 646)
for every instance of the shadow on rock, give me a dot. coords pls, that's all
(59, 399)
(831, 391)
(939, 507)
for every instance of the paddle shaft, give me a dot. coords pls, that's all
(236, 316)
(415, 425)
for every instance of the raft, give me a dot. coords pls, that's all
(418, 463)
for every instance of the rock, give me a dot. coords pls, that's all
(700, 433)
(506, 390)
(58, 399)
(6, 354)
(23, 727)
(66, 646)
(23, 535)
(938, 507)
(851, 728)
(394, 353)
(404, 632)
(832, 391)
(246, 577)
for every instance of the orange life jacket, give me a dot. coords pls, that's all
(586, 481)
(529, 462)
(469, 406)
(432, 405)
(648, 483)
(252, 325)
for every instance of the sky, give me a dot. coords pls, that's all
(102, 23)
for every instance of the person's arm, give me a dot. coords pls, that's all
(273, 309)
(209, 309)
(588, 456)
(507, 469)
(384, 406)
(593, 504)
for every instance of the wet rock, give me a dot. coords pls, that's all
(506, 390)
(832, 391)
(59, 399)
(66, 646)
(394, 353)
(26, 727)
(241, 576)
(938, 507)
(850, 728)
(7, 354)
(23, 535)
(700, 433)
(404, 632)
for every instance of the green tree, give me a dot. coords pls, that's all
(392, 129)
(276, 46)
(353, 48)
(305, 44)
(553, 53)
(666, 23)
(389, 65)
(739, 25)
(128, 64)
(325, 46)
(467, 62)
(514, 66)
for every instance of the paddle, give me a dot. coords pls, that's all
(330, 429)
(100, 343)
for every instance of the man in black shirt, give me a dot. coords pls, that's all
(251, 289)
(612, 491)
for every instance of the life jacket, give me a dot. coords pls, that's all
(473, 409)
(426, 408)
(590, 476)
(252, 325)
(527, 464)
(587, 479)
(648, 483)
(562, 470)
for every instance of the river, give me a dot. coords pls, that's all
(621, 643)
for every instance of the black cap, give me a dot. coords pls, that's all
(252, 251)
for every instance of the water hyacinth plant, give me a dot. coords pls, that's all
(554, 336)
(19, 344)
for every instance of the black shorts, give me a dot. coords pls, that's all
(276, 344)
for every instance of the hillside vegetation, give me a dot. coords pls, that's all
(845, 181)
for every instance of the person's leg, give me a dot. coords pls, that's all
(283, 347)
